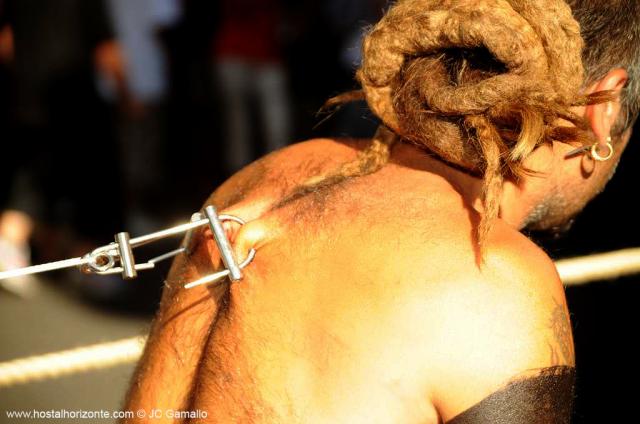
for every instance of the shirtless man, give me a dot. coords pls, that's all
(391, 282)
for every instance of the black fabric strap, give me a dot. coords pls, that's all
(544, 399)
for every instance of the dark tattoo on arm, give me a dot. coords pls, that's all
(561, 327)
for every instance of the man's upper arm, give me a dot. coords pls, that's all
(505, 354)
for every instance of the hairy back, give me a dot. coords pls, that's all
(357, 291)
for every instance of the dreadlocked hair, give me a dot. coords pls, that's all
(479, 83)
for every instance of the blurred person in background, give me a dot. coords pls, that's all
(349, 20)
(249, 71)
(193, 122)
(140, 127)
(59, 140)
(15, 227)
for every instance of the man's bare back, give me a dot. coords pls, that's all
(365, 302)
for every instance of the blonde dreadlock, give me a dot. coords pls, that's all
(480, 83)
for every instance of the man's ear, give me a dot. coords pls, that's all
(603, 116)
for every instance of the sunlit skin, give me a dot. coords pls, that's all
(365, 302)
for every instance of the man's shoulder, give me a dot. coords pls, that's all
(283, 169)
(512, 279)
(513, 257)
(439, 242)
(501, 321)
(317, 150)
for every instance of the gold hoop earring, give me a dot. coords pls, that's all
(596, 156)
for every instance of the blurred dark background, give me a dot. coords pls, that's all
(126, 114)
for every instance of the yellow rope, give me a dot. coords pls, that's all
(599, 267)
(72, 361)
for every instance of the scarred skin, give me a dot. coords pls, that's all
(365, 302)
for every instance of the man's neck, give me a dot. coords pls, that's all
(516, 203)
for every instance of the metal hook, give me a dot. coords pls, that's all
(220, 275)
(103, 260)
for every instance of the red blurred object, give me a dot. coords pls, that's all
(249, 30)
